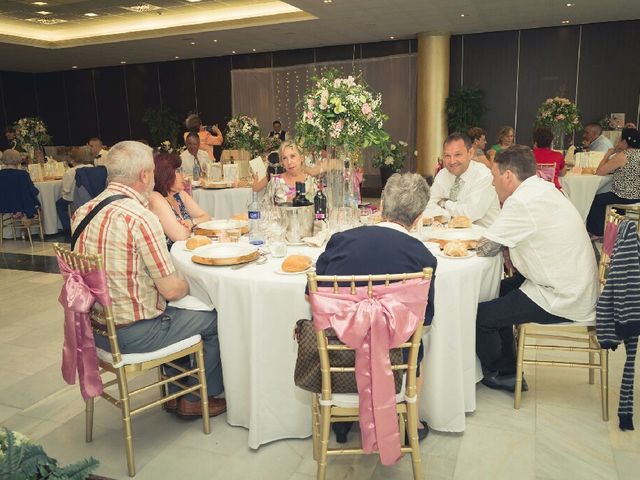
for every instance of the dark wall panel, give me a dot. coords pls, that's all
(382, 49)
(336, 52)
(177, 87)
(4, 122)
(251, 60)
(52, 103)
(455, 62)
(609, 70)
(548, 68)
(111, 99)
(490, 63)
(213, 84)
(19, 95)
(142, 93)
(287, 58)
(81, 105)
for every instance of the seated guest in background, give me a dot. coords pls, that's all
(97, 150)
(19, 194)
(277, 131)
(624, 163)
(209, 136)
(11, 141)
(463, 187)
(594, 140)
(177, 211)
(80, 158)
(556, 281)
(506, 136)
(542, 138)
(193, 155)
(141, 276)
(385, 248)
(479, 138)
(282, 188)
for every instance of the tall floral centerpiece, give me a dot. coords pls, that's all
(31, 133)
(343, 116)
(243, 133)
(560, 115)
(390, 159)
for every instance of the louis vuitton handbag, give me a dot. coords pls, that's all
(307, 373)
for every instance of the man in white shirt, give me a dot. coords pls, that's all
(80, 157)
(593, 138)
(98, 153)
(556, 279)
(193, 155)
(463, 187)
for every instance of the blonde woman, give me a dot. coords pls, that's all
(506, 136)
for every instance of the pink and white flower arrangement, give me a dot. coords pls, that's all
(392, 156)
(243, 133)
(559, 114)
(340, 112)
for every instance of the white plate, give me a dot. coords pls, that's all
(468, 255)
(223, 224)
(296, 244)
(196, 183)
(279, 271)
(225, 250)
(432, 245)
(474, 233)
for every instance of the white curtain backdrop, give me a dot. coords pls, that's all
(274, 93)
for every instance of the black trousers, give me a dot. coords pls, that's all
(495, 344)
(595, 219)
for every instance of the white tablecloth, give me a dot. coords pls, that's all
(581, 189)
(257, 312)
(50, 192)
(223, 203)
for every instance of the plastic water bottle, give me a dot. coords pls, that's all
(254, 220)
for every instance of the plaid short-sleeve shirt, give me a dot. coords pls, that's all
(132, 244)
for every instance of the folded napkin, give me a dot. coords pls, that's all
(320, 236)
(190, 302)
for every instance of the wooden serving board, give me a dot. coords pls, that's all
(215, 186)
(221, 262)
(471, 244)
(214, 233)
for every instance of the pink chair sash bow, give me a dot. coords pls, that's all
(79, 292)
(610, 236)
(372, 326)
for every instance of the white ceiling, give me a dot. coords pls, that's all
(316, 24)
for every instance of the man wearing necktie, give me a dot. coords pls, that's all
(97, 151)
(193, 156)
(463, 187)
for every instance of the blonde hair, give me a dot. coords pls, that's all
(289, 144)
(504, 131)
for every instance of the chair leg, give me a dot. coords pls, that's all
(204, 399)
(325, 427)
(315, 424)
(604, 383)
(88, 420)
(41, 227)
(163, 388)
(412, 428)
(401, 428)
(521, 331)
(125, 409)
(592, 358)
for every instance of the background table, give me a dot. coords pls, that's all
(223, 203)
(50, 192)
(257, 312)
(581, 190)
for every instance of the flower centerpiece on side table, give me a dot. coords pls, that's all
(343, 116)
(243, 133)
(31, 133)
(390, 159)
(560, 115)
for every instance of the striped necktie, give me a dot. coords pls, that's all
(455, 189)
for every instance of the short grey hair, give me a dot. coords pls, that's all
(404, 198)
(127, 159)
(11, 157)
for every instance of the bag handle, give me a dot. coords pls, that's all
(85, 221)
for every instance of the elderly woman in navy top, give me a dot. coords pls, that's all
(385, 248)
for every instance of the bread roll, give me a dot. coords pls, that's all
(588, 171)
(197, 241)
(296, 263)
(455, 249)
(426, 221)
(460, 222)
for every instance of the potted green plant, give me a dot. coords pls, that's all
(163, 125)
(22, 460)
(390, 159)
(465, 109)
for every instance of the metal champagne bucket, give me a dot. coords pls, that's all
(298, 222)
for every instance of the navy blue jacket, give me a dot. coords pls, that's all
(19, 194)
(377, 250)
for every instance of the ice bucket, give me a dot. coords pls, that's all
(298, 222)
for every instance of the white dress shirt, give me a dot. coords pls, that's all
(550, 247)
(69, 182)
(477, 199)
(101, 158)
(188, 161)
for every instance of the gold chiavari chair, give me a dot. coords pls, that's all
(580, 338)
(328, 407)
(127, 366)
(26, 223)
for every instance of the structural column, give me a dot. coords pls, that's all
(433, 90)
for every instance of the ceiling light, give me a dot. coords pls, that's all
(177, 57)
(74, 67)
(192, 43)
(570, 4)
(215, 40)
(40, 4)
(90, 14)
(462, 14)
(142, 7)
(328, 1)
(253, 49)
(44, 12)
(233, 51)
(565, 22)
(194, 1)
(123, 62)
(45, 20)
(391, 37)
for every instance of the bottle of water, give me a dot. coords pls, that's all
(254, 221)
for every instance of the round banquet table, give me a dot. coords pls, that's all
(50, 192)
(258, 309)
(223, 203)
(582, 189)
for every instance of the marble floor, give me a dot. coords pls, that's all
(557, 434)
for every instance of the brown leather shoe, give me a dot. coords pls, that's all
(171, 405)
(194, 409)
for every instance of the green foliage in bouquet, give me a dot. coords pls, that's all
(31, 131)
(391, 155)
(559, 114)
(243, 133)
